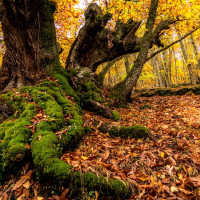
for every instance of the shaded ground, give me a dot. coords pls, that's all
(167, 168)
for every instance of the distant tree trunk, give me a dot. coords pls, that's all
(189, 66)
(30, 39)
(160, 76)
(102, 74)
(170, 67)
(195, 50)
(196, 56)
(176, 73)
(155, 73)
(165, 69)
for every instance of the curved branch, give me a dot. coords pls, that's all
(168, 46)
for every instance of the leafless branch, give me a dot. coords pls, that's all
(157, 52)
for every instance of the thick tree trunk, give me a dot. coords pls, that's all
(30, 39)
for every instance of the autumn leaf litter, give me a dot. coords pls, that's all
(166, 168)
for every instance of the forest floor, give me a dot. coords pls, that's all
(165, 168)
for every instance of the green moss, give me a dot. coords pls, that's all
(106, 186)
(47, 102)
(62, 80)
(136, 131)
(46, 153)
(92, 92)
(116, 115)
(16, 136)
(46, 147)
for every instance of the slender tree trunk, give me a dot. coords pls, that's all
(155, 73)
(176, 73)
(170, 67)
(189, 66)
(165, 69)
(195, 50)
(123, 89)
(196, 56)
(102, 74)
(160, 77)
(30, 39)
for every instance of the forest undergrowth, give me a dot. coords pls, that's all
(166, 167)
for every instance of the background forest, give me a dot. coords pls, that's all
(100, 100)
(170, 67)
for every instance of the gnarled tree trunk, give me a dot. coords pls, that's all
(30, 39)
(95, 44)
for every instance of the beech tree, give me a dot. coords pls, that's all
(30, 39)
(48, 114)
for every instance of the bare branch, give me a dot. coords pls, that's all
(157, 52)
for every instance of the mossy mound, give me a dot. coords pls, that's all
(59, 126)
(89, 91)
(115, 115)
(14, 133)
(169, 91)
(136, 131)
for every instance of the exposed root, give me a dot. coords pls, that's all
(136, 131)
(48, 122)
(100, 109)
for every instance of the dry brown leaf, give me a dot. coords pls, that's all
(195, 181)
(64, 193)
(27, 184)
(40, 198)
(19, 183)
(21, 197)
(4, 196)
(96, 195)
(105, 155)
(39, 137)
(185, 191)
(27, 146)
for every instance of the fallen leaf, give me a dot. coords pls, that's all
(64, 193)
(106, 155)
(4, 196)
(174, 189)
(27, 184)
(19, 183)
(84, 157)
(27, 146)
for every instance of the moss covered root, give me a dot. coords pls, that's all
(14, 132)
(136, 131)
(61, 128)
(169, 91)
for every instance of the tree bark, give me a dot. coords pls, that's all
(189, 66)
(122, 91)
(30, 39)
